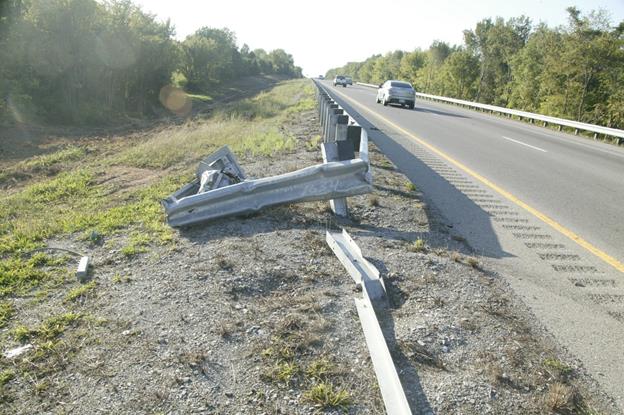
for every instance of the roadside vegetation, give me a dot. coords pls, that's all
(84, 62)
(109, 196)
(572, 72)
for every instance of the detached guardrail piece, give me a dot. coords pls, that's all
(320, 182)
(363, 273)
(388, 380)
(367, 277)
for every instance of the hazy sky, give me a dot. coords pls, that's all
(324, 34)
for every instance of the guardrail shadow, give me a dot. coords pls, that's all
(444, 200)
(408, 374)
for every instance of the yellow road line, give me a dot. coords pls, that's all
(544, 218)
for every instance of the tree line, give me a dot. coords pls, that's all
(575, 71)
(85, 62)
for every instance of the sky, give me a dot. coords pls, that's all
(325, 34)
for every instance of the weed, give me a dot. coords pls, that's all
(320, 369)
(17, 276)
(279, 352)
(560, 398)
(373, 200)
(6, 376)
(327, 396)
(438, 302)
(411, 187)
(421, 354)
(137, 245)
(313, 144)
(417, 246)
(117, 279)
(55, 326)
(472, 262)
(284, 372)
(561, 369)
(80, 292)
(6, 312)
(21, 333)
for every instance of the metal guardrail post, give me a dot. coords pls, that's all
(333, 119)
(323, 110)
(354, 133)
(328, 121)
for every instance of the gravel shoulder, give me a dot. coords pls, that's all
(255, 315)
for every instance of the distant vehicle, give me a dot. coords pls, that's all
(349, 80)
(321, 76)
(396, 92)
(340, 80)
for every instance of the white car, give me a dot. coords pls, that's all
(340, 80)
(396, 92)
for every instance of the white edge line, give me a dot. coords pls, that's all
(525, 144)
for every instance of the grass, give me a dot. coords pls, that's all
(473, 262)
(284, 372)
(6, 376)
(18, 276)
(80, 292)
(250, 127)
(45, 164)
(55, 326)
(411, 187)
(137, 244)
(418, 245)
(50, 329)
(293, 360)
(85, 194)
(320, 369)
(560, 399)
(558, 368)
(6, 312)
(328, 396)
(314, 143)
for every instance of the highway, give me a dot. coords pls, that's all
(546, 210)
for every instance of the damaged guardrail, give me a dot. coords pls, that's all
(221, 188)
(367, 277)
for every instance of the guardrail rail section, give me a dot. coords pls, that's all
(341, 134)
(221, 189)
(617, 134)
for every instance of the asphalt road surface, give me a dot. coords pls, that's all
(546, 210)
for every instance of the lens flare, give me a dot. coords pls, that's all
(175, 100)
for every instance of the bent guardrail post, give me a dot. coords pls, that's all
(334, 150)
